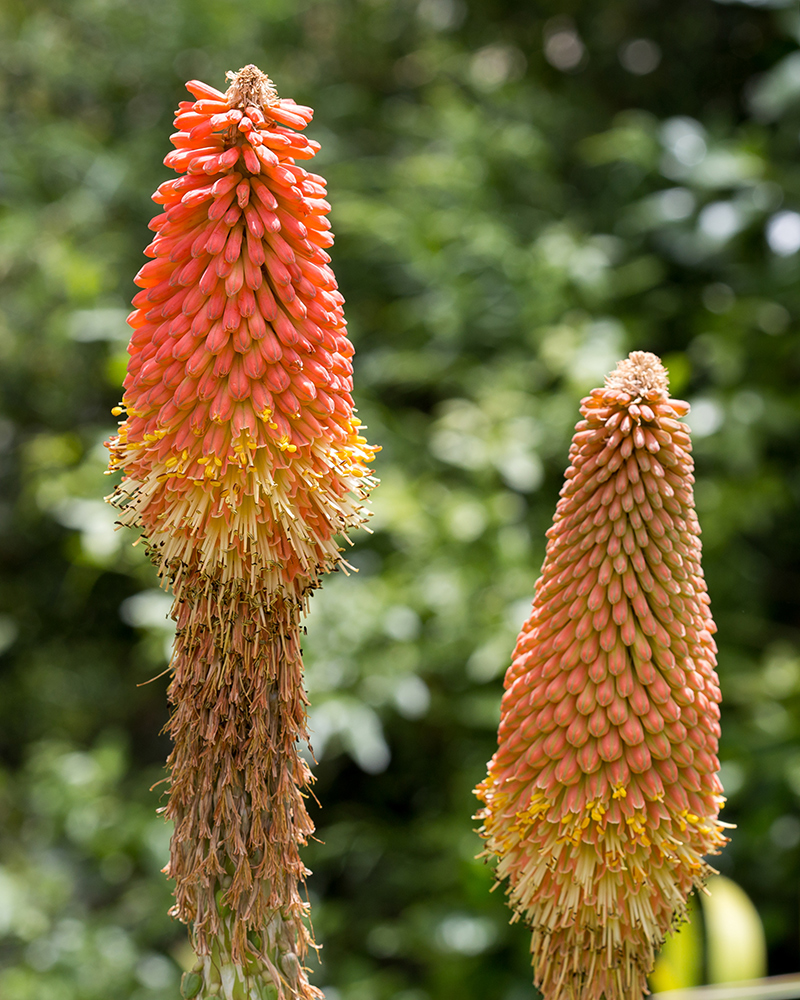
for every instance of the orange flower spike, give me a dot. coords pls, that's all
(603, 796)
(242, 460)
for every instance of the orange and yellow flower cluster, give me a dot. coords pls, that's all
(603, 795)
(240, 448)
(243, 459)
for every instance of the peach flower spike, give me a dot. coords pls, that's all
(242, 461)
(603, 796)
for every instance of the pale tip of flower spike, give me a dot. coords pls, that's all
(640, 374)
(250, 87)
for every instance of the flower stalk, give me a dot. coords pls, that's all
(242, 460)
(603, 795)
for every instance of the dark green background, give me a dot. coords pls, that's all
(506, 230)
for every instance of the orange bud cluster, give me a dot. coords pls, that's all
(240, 444)
(603, 795)
(243, 460)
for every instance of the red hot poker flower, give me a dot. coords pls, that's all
(603, 795)
(242, 459)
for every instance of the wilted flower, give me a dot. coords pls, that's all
(603, 795)
(242, 461)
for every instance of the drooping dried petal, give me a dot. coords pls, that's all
(242, 459)
(603, 796)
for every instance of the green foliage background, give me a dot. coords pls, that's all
(506, 230)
